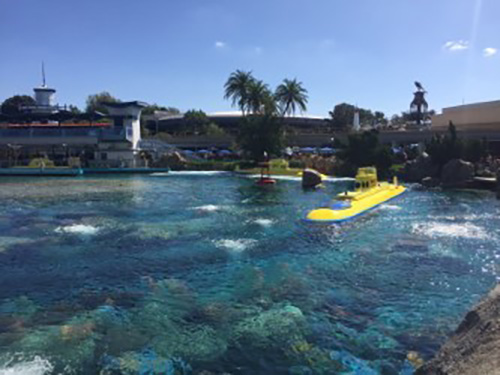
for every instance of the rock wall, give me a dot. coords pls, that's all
(474, 348)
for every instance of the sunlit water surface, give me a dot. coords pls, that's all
(209, 274)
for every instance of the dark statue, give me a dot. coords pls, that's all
(419, 106)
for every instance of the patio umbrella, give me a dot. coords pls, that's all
(224, 152)
(307, 149)
(326, 150)
(203, 152)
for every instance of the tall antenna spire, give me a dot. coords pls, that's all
(43, 75)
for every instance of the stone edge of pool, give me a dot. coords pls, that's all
(474, 347)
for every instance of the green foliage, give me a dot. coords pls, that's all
(255, 97)
(74, 109)
(260, 100)
(474, 150)
(297, 164)
(278, 164)
(291, 95)
(260, 130)
(443, 148)
(12, 105)
(196, 121)
(95, 102)
(342, 116)
(214, 130)
(209, 165)
(237, 87)
(150, 109)
(365, 150)
(41, 163)
(163, 136)
(261, 134)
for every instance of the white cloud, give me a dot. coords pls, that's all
(258, 50)
(456, 45)
(220, 44)
(489, 52)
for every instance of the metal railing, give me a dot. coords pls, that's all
(105, 134)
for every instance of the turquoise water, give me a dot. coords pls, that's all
(209, 274)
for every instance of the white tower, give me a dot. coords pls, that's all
(127, 115)
(355, 123)
(44, 96)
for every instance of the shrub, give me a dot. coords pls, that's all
(298, 164)
(278, 164)
(443, 148)
(41, 163)
(364, 150)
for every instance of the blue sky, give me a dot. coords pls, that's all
(180, 53)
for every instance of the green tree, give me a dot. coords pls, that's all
(364, 150)
(259, 134)
(151, 109)
(12, 105)
(259, 98)
(261, 130)
(380, 118)
(74, 109)
(290, 96)
(196, 121)
(95, 102)
(443, 148)
(214, 130)
(237, 89)
(342, 116)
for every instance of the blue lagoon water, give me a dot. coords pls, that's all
(209, 274)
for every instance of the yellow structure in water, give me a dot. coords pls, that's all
(369, 193)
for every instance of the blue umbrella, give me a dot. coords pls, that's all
(307, 149)
(225, 152)
(203, 152)
(326, 150)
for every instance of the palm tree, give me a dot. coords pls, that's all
(291, 95)
(260, 98)
(237, 88)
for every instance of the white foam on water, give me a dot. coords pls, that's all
(208, 208)
(391, 207)
(189, 173)
(264, 222)
(437, 229)
(299, 178)
(236, 246)
(275, 177)
(37, 366)
(87, 230)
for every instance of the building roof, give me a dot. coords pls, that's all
(44, 88)
(135, 103)
(230, 115)
(480, 105)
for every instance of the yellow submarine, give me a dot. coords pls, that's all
(368, 194)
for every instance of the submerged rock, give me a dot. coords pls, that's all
(475, 346)
(145, 362)
(196, 344)
(276, 326)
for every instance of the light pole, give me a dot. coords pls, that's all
(65, 148)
